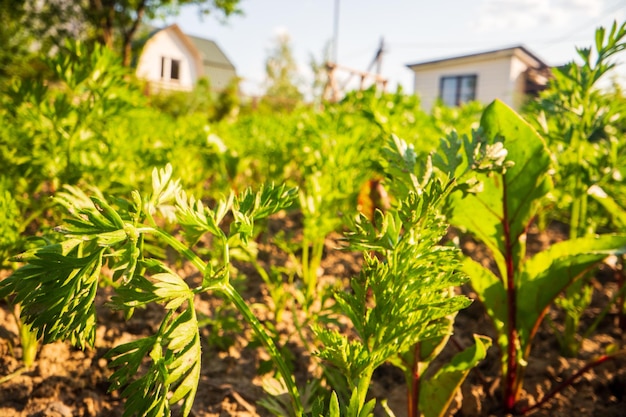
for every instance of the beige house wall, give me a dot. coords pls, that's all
(220, 78)
(518, 78)
(167, 44)
(497, 77)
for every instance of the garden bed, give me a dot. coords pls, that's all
(69, 382)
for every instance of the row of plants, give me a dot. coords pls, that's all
(491, 177)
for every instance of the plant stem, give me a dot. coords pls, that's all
(178, 246)
(229, 291)
(511, 378)
(621, 302)
(569, 381)
(413, 392)
(12, 375)
(306, 273)
(276, 356)
(617, 299)
(30, 344)
(28, 339)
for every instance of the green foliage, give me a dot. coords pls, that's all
(62, 279)
(184, 103)
(437, 392)
(404, 260)
(174, 354)
(582, 124)
(91, 125)
(65, 292)
(9, 224)
(31, 28)
(518, 297)
(227, 102)
(507, 208)
(14, 55)
(56, 135)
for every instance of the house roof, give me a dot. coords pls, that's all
(522, 52)
(205, 50)
(212, 55)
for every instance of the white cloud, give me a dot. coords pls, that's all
(529, 14)
(280, 31)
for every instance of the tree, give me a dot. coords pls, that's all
(14, 52)
(123, 18)
(31, 27)
(43, 26)
(282, 74)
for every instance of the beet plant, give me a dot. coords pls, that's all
(518, 293)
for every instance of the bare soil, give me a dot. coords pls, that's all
(66, 381)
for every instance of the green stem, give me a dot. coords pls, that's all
(276, 356)
(312, 253)
(621, 302)
(227, 289)
(178, 246)
(363, 384)
(617, 298)
(582, 226)
(28, 339)
(573, 231)
(306, 272)
(29, 343)
(13, 375)
(578, 195)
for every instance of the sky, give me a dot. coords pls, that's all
(412, 31)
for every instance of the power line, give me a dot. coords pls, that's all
(590, 22)
(566, 38)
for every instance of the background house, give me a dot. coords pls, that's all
(509, 74)
(171, 60)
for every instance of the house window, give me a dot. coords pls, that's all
(170, 69)
(175, 69)
(456, 90)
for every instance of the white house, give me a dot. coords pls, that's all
(510, 74)
(172, 60)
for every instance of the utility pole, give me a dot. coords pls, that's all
(335, 55)
(378, 58)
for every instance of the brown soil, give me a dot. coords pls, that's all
(65, 381)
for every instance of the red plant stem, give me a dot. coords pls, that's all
(414, 392)
(510, 387)
(621, 281)
(569, 381)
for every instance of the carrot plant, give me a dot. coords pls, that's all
(402, 304)
(57, 286)
(582, 125)
(617, 214)
(519, 292)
